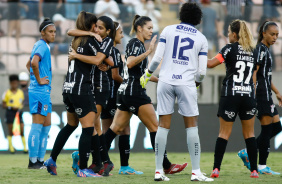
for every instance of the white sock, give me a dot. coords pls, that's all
(260, 167)
(41, 159)
(194, 147)
(160, 145)
(197, 172)
(33, 159)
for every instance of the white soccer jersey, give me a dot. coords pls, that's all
(181, 46)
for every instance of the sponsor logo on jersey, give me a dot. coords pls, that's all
(242, 88)
(132, 109)
(113, 111)
(230, 114)
(272, 108)
(104, 45)
(176, 76)
(68, 85)
(226, 52)
(252, 112)
(186, 28)
(78, 111)
(118, 104)
(93, 49)
(45, 107)
(135, 50)
(180, 62)
(261, 55)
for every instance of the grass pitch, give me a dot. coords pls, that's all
(13, 169)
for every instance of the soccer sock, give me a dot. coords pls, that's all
(124, 149)
(24, 143)
(194, 147)
(11, 148)
(252, 152)
(166, 162)
(85, 146)
(160, 145)
(33, 141)
(95, 150)
(103, 150)
(109, 137)
(264, 143)
(276, 129)
(220, 147)
(61, 140)
(43, 138)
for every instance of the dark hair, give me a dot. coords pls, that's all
(46, 22)
(245, 37)
(190, 13)
(13, 77)
(84, 21)
(263, 28)
(117, 26)
(109, 24)
(138, 21)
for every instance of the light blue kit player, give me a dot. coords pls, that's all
(40, 104)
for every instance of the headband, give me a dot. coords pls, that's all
(117, 27)
(266, 24)
(46, 26)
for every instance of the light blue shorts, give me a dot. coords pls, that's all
(40, 103)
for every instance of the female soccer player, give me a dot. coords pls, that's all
(267, 112)
(131, 97)
(78, 97)
(177, 80)
(40, 104)
(237, 92)
(104, 28)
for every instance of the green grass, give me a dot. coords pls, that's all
(13, 169)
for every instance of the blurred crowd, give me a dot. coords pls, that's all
(217, 14)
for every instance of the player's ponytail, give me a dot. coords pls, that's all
(263, 28)
(245, 38)
(138, 21)
(84, 21)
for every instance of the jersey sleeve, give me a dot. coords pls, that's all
(133, 49)
(260, 55)
(106, 46)
(5, 97)
(204, 48)
(40, 51)
(116, 56)
(224, 53)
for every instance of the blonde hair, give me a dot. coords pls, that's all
(245, 37)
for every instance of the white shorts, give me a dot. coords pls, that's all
(186, 98)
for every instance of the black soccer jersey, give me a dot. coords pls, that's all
(264, 74)
(117, 64)
(78, 80)
(101, 80)
(131, 83)
(240, 66)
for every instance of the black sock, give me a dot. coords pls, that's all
(95, 150)
(84, 146)
(166, 162)
(109, 137)
(276, 129)
(103, 150)
(220, 147)
(61, 140)
(251, 146)
(124, 149)
(264, 143)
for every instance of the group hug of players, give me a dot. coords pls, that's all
(100, 85)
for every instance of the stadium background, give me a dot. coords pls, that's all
(15, 59)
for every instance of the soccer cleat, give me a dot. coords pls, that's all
(87, 173)
(41, 164)
(175, 168)
(268, 171)
(215, 173)
(51, 166)
(35, 165)
(245, 158)
(254, 174)
(202, 177)
(108, 167)
(95, 168)
(75, 162)
(12, 150)
(127, 170)
(160, 177)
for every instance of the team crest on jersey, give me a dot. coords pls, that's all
(230, 114)
(78, 111)
(45, 107)
(132, 109)
(113, 112)
(252, 112)
(272, 108)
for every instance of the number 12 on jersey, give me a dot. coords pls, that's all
(180, 50)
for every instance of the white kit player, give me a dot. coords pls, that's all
(184, 52)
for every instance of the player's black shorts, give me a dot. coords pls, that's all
(266, 108)
(79, 104)
(132, 103)
(110, 110)
(102, 97)
(230, 106)
(10, 116)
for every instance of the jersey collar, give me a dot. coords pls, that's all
(187, 24)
